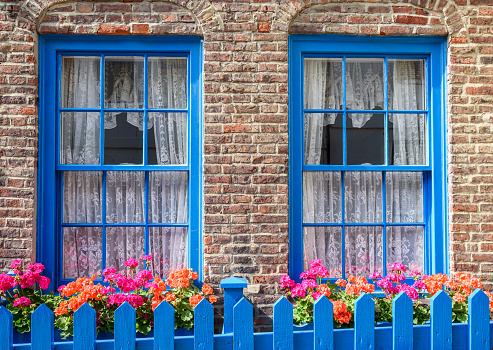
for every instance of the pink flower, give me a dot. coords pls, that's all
(298, 291)
(145, 275)
(397, 267)
(319, 271)
(131, 263)
(316, 295)
(287, 282)
(375, 275)
(410, 291)
(308, 275)
(7, 282)
(116, 299)
(28, 279)
(309, 284)
(36, 268)
(126, 284)
(61, 288)
(415, 274)
(384, 283)
(107, 290)
(44, 282)
(420, 285)
(16, 265)
(108, 271)
(22, 301)
(396, 277)
(135, 300)
(147, 257)
(315, 263)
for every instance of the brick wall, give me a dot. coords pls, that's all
(246, 116)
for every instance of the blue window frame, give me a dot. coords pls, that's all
(109, 158)
(344, 151)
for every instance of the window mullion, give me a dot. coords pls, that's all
(103, 220)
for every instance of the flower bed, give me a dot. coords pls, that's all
(142, 290)
(344, 292)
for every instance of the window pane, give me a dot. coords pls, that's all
(167, 82)
(79, 138)
(82, 196)
(168, 246)
(407, 139)
(125, 196)
(80, 82)
(407, 84)
(123, 243)
(124, 82)
(323, 138)
(123, 138)
(322, 197)
(168, 197)
(404, 196)
(167, 137)
(405, 245)
(323, 83)
(82, 255)
(363, 249)
(365, 138)
(364, 83)
(363, 196)
(324, 243)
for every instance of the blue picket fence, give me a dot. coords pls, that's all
(439, 334)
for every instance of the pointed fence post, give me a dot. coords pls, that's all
(364, 323)
(441, 321)
(479, 321)
(402, 322)
(164, 327)
(243, 325)
(323, 332)
(283, 325)
(203, 320)
(42, 324)
(125, 328)
(233, 292)
(85, 328)
(6, 329)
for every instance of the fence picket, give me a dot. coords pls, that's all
(364, 321)
(441, 321)
(402, 322)
(42, 324)
(85, 328)
(125, 327)
(479, 321)
(323, 327)
(243, 325)
(6, 329)
(204, 326)
(283, 325)
(164, 327)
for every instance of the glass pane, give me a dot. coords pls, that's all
(404, 196)
(123, 138)
(167, 82)
(363, 249)
(168, 197)
(82, 254)
(324, 243)
(407, 139)
(363, 196)
(322, 197)
(82, 196)
(123, 243)
(405, 245)
(167, 137)
(168, 246)
(365, 138)
(323, 83)
(407, 84)
(124, 82)
(125, 196)
(79, 138)
(80, 82)
(364, 83)
(323, 138)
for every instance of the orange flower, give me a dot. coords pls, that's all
(341, 313)
(352, 289)
(341, 283)
(195, 299)
(212, 299)
(323, 289)
(459, 298)
(61, 309)
(206, 289)
(351, 279)
(170, 297)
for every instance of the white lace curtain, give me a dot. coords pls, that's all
(322, 191)
(125, 201)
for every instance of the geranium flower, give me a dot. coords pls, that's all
(131, 263)
(22, 302)
(195, 299)
(287, 282)
(7, 282)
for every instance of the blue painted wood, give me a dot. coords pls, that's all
(6, 329)
(233, 292)
(323, 327)
(243, 325)
(42, 328)
(203, 319)
(402, 322)
(441, 321)
(364, 320)
(283, 325)
(125, 328)
(85, 328)
(164, 327)
(479, 321)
